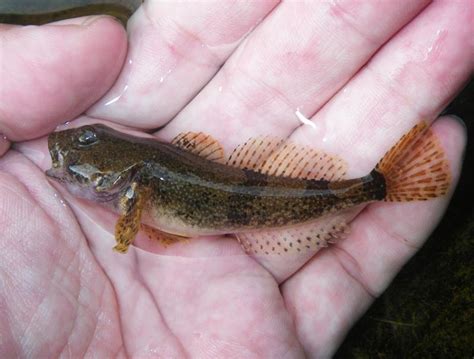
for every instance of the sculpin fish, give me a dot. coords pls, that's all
(189, 188)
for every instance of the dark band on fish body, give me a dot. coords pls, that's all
(240, 205)
(205, 194)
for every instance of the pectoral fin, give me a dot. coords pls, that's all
(128, 224)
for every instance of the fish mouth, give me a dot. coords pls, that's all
(57, 174)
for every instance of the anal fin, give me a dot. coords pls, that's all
(166, 239)
(308, 237)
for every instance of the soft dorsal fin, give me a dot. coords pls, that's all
(251, 154)
(276, 157)
(297, 161)
(200, 144)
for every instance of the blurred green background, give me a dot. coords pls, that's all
(428, 310)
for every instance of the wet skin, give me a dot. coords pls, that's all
(65, 292)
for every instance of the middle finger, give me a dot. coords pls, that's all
(295, 60)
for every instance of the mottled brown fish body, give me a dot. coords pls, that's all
(176, 188)
(210, 202)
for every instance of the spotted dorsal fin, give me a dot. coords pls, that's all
(200, 144)
(275, 157)
(251, 154)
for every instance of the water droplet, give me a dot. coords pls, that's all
(219, 89)
(435, 45)
(3, 137)
(130, 61)
(116, 98)
(63, 125)
(163, 78)
(304, 120)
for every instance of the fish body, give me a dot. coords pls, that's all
(181, 192)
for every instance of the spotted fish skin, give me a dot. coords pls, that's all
(185, 189)
(197, 195)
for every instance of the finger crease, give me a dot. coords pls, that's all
(356, 275)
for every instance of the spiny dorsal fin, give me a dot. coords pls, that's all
(200, 144)
(276, 157)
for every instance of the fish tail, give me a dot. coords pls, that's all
(416, 168)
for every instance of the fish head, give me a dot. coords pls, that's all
(91, 161)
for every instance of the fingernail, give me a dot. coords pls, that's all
(460, 120)
(464, 126)
(92, 19)
(80, 21)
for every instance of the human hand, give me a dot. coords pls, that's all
(65, 291)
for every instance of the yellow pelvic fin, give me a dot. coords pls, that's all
(276, 157)
(128, 224)
(416, 168)
(200, 144)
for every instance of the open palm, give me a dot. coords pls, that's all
(363, 74)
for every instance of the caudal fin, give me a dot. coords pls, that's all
(416, 168)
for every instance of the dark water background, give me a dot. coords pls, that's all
(37, 12)
(428, 310)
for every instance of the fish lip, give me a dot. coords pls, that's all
(56, 174)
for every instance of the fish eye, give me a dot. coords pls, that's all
(87, 137)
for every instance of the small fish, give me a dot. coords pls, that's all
(267, 186)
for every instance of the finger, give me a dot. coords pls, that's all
(47, 273)
(371, 112)
(175, 48)
(298, 58)
(413, 77)
(177, 312)
(52, 73)
(341, 282)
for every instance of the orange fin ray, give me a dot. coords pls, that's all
(251, 154)
(273, 156)
(200, 144)
(415, 168)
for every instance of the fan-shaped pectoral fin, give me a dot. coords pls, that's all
(128, 224)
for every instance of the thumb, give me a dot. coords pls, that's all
(52, 73)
